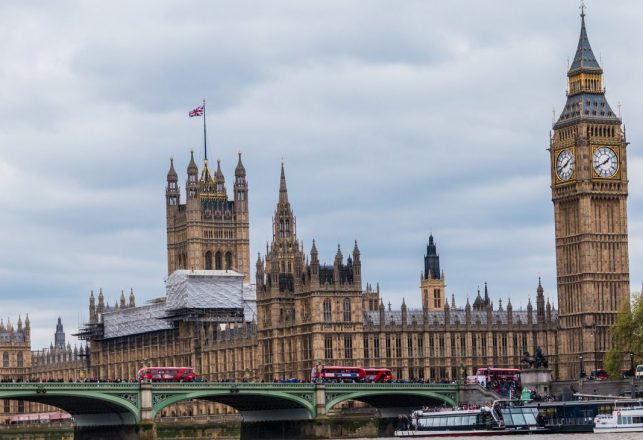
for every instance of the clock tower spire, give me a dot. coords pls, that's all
(589, 192)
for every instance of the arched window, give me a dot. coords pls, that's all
(5, 359)
(228, 260)
(347, 310)
(208, 260)
(20, 360)
(217, 261)
(327, 311)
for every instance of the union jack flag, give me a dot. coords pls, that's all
(197, 111)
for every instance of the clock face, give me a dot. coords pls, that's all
(605, 162)
(565, 165)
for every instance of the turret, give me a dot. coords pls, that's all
(337, 266)
(431, 261)
(404, 312)
(240, 188)
(357, 267)
(59, 337)
(27, 329)
(92, 308)
(172, 193)
(219, 180)
(314, 266)
(432, 285)
(100, 309)
(192, 182)
(259, 274)
(540, 303)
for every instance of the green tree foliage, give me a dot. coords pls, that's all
(627, 337)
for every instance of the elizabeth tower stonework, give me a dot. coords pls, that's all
(589, 191)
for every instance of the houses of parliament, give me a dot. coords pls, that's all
(295, 313)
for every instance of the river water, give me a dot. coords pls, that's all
(588, 436)
(9, 435)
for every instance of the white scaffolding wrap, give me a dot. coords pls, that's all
(249, 302)
(135, 320)
(204, 289)
(186, 290)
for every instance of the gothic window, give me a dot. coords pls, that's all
(376, 346)
(5, 359)
(348, 347)
(327, 311)
(20, 360)
(208, 260)
(228, 260)
(463, 345)
(347, 310)
(217, 261)
(328, 347)
(366, 356)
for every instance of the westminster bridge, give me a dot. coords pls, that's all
(134, 404)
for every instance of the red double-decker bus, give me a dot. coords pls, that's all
(485, 375)
(378, 375)
(166, 374)
(339, 374)
(351, 374)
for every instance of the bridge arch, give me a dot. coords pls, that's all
(251, 404)
(382, 399)
(88, 408)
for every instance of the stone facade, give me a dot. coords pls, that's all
(309, 314)
(20, 363)
(589, 191)
(208, 231)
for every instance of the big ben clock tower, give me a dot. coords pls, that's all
(589, 191)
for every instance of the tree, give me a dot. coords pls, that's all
(627, 337)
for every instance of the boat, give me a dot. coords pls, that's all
(622, 419)
(502, 418)
(572, 416)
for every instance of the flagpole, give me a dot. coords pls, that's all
(205, 139)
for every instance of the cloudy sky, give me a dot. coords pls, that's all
(394, 120)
